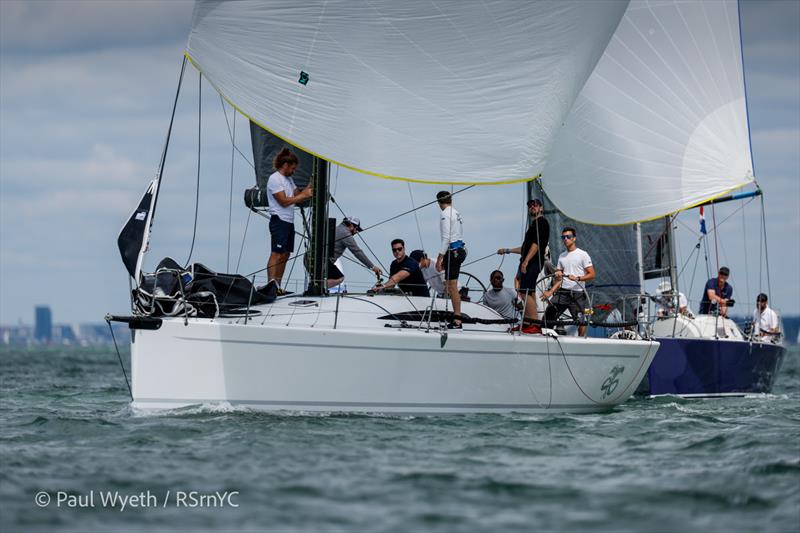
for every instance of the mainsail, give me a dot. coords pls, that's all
(661, 125)
(430, 91)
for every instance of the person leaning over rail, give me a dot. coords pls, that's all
(345, 240)
(765, 320)
(531, 258)
(404, 273)
(452, 252)
(282, 196)
(717, 294)
(434, 278)
(574, 269)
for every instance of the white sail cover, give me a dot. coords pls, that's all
(444, 91)
(661, 124)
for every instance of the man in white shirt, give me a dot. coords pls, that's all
(666, 301)
(765, 320)
(574, 269)
(283, 195)
(452, 252)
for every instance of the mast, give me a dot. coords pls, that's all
(319, 252)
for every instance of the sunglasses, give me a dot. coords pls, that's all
(499, 278)
(397, 249)
(566, 237)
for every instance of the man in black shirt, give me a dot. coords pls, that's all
(405, 273)
(531, 256)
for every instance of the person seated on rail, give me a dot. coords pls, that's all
(404, 273)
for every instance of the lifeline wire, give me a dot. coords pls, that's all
(119, 357)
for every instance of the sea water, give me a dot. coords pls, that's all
(74, 456)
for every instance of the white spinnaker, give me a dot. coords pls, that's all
(661, 124)
(447, 91)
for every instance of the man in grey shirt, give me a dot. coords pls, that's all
(345, 240)
(502, 299)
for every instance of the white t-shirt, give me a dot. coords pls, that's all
(575, 263)
(434, 278)
(667, 301)
(450, 228)
(766, 321)
(278, 182)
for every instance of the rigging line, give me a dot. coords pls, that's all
(483, 258)
(166, 141)
(230, 197)
(416, 219)
(766, 249)
(716, 241)
(689, 258)
(358, 233)
(244, 239)
(416, 208)
(119, 357)
(231, 136)
(197, 188)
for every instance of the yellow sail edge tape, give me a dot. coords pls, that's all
(351, 167)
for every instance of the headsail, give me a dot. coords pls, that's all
(661, 124)
(444, 91)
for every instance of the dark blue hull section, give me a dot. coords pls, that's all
(710, 367)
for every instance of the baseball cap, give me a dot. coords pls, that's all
(355, 221)
(418, 255)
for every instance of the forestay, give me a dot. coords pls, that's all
(661, 124)
(431, 91)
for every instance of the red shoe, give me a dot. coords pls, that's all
(532, 330)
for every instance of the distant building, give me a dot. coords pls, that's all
(43, 328)
(64, 334)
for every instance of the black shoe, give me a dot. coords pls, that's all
(453, 325)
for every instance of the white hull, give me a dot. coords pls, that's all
(296, 361)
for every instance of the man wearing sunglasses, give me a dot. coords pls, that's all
(502, 299)
(404, 273)
(531, 252)
(573, 271)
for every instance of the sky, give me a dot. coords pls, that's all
(86, 91)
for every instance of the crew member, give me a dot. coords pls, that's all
(717, 294)
(345, 240)
(452, 252)
(574, 269)
(404, 272)
(282, 196)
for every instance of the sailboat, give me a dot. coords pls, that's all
(662, 126)
(461, 93)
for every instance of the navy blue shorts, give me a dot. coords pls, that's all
(282, 234)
